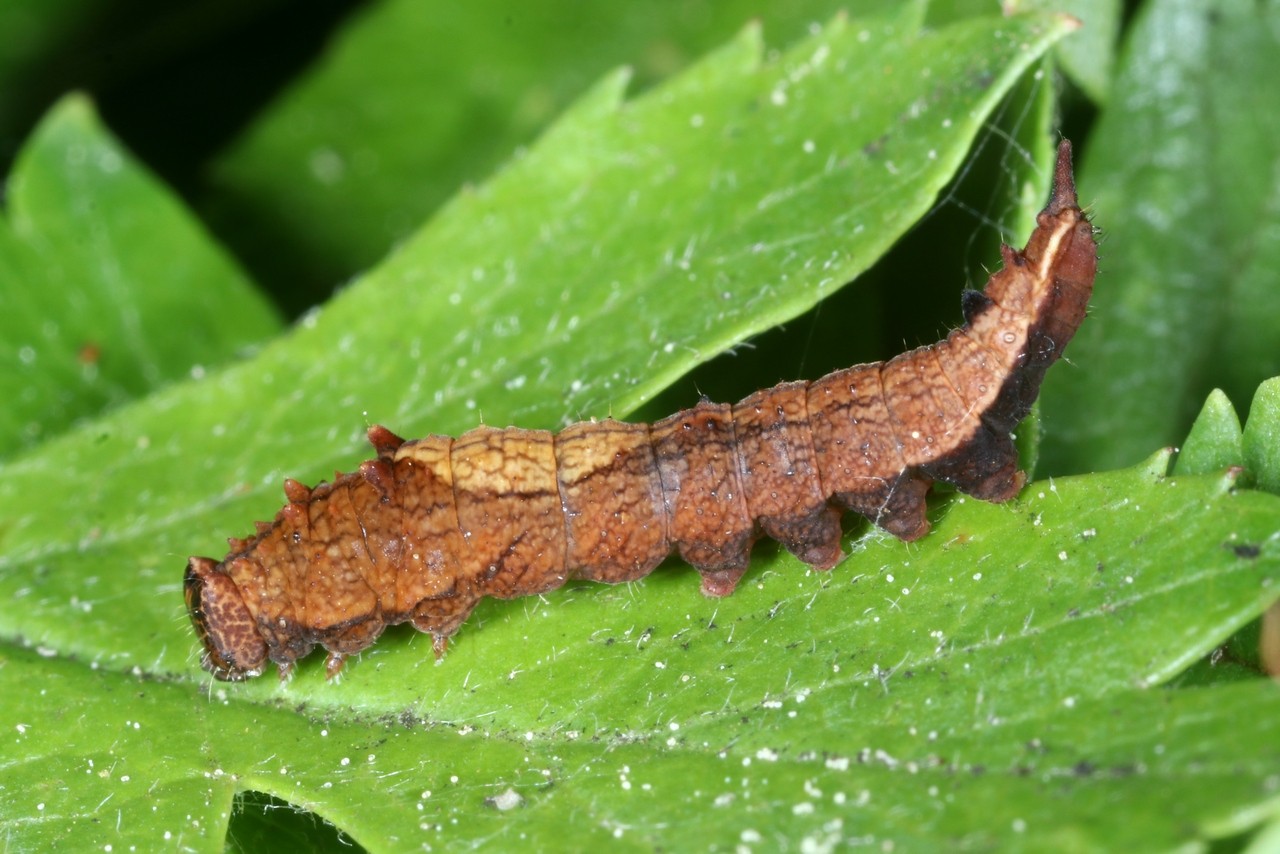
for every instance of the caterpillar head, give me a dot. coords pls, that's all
(233, 647)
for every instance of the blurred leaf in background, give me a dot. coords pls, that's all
(418, 98)
(1184, 176)
(112, 288)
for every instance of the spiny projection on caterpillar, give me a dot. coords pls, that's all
(431, 526)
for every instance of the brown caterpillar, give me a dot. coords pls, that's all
(424, 531)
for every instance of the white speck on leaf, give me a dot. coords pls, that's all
(507, 800)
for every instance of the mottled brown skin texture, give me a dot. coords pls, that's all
(431, 526)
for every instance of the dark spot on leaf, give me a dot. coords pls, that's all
(1246, 550)
(983, 79)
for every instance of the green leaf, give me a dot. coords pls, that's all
(111, 288)
(631, 243)
(1261, 441)
(993, 685)
(1215, 440)
(409, 104)
(1087, 55)
(1180, 177)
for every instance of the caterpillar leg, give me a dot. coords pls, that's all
(988, 469)
(898, 507)
(721, 582)
(814, 538)
(349, 641)
(441, 618)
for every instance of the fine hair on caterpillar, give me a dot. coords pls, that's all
(429, 527)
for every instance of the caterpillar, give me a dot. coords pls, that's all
(424, 531)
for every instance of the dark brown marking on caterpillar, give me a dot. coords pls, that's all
(431, 526)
